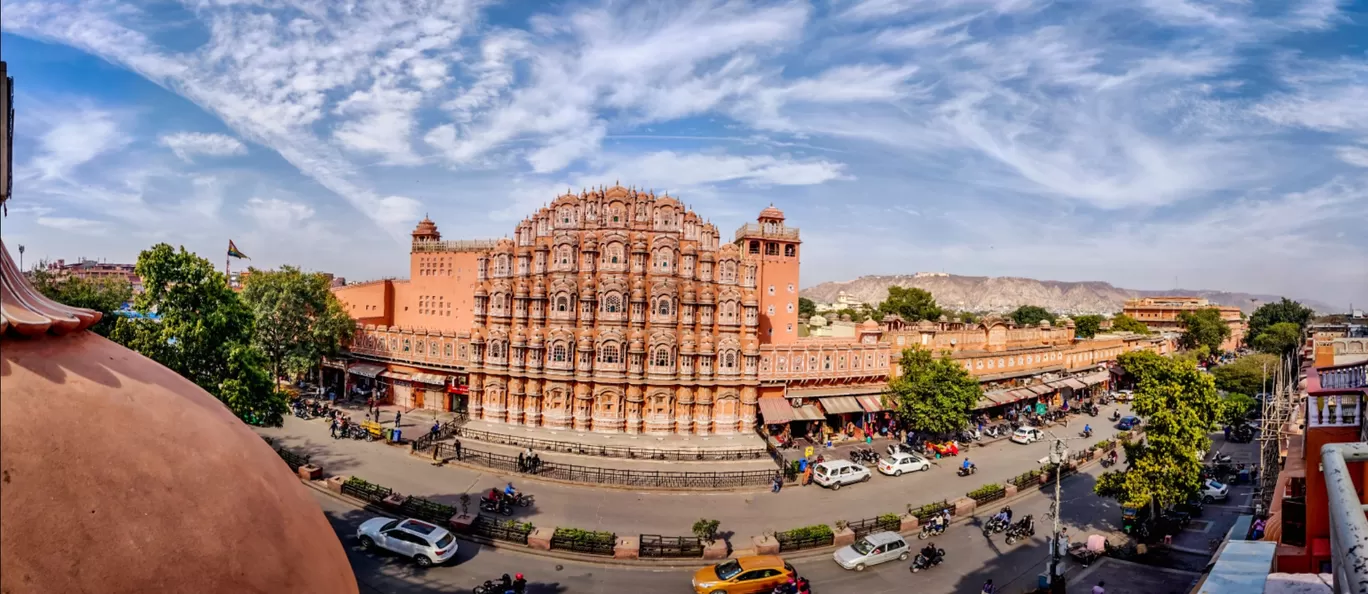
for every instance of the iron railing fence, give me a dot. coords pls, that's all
(509, 530)
(607, 451)
(609, 476)
(788, 543)
(656, 546)
(867, 526)
(292, 459)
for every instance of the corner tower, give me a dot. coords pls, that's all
(774, 248)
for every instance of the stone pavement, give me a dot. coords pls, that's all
(742, 514)
(1125, 577)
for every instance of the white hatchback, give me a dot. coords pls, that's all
(1027, 435)
(901, 462)
(425, 543)
(835, 473)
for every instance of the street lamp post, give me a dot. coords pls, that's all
(1057, 457)
(21, 258)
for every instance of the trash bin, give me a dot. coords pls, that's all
(394, 435)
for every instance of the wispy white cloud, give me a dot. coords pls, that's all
(74, 138)
(188, 145)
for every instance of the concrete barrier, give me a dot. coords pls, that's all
(627, 547)
(765, 545)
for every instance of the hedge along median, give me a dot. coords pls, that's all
(987, 493)
(807, 537)
(584, 541)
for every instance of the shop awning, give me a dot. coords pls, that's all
(1074, 383)
(396, 375)
(334, 364)
(835, 391)
(839, 405)
(1040, 390)
(1095, 378)
(1021, 394)
(366, 370)
(429, 378)
(807, 412)
(775, 411)
(871, 403)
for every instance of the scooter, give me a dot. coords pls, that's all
(968, 471)
(920, 562)
(1085, 433)
(1220, 459)
(495, 507)
(1108, 461)
(1116, 416)
(928, 530)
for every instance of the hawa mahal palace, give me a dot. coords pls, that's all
(621, 311)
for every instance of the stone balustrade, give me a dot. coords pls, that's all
(1340, 410)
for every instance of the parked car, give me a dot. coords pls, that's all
(901, 462)
(426, 543)
(1128, 422)
(743, 575)
(872, 550)
(835, 473)
(1214, 490)
(1025, 435)
(1193, 506)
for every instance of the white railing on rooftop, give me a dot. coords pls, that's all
(1344, 378)
(756, 230)
(1342, 410)
(1348, 524)
(455, 245)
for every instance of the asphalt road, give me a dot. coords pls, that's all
(971, 558)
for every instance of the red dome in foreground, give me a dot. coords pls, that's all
(121, 476)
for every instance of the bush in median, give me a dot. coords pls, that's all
(807, 537)
(986, 493)
(1025, 479)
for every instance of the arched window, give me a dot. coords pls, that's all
(615, 253)
(608, 353)
(613, 304)
(495, 349)
(558, 353)
(565, 255)
(664, 306)
(788, 250)
(562, 303)
(729, 360)
(662, 357)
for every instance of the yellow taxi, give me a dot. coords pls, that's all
(744, 575)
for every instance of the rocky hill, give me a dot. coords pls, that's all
(1003, 294)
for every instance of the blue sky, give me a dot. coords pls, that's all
(1217, 144)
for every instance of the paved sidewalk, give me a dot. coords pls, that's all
(666, 513)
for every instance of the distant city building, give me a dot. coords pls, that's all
(94, 270)
(843, 301)
(930, 274)
(1160, 314)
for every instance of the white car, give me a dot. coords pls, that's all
(901, 462)
(1027, 435)
(1213, 490)
(426, 543)
(835, 473)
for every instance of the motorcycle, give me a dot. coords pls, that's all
(928, 530)
(523, 500)
(495, 507)
(1108, 461)
(1085, 433)
(1221, 459)
(920, 562)
(865, 455)
(1092, 411)
(994, 526)
(1116, 416)
(492, 587)
(1021, 530)
(967, 471)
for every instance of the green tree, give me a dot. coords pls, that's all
(1087, 326)
(1279, 339)
(969, 317)
(1179, 405)
(1125, 323)
(856, 315)
(1235, 408)
(1269, 314)
(912, 304)
(298, 319)
(248, 389)
(203, 330)
(107, 295)
(806, 308)
(1030, 315)
(1203, 327)
(1245, 375)
(932, 394)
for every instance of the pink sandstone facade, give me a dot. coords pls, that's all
(621, 311)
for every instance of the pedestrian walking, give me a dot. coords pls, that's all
(1227, 432)
(397, 415)
(778, 483)
(807, 476)
(522, 462)
(332, 428)
(457, 445)
(536, 463)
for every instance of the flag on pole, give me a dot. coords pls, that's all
(233, 251)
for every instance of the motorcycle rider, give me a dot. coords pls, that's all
(1007, 514)
(988, 587)
(967, 466)
(930, 554)
(1112, 456)
(1087, 430)
(519, 584)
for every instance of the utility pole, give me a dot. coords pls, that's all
(1057, 457)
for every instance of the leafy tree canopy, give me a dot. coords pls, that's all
(856, 315)
(1087, 326)
(1269, 314)
(969, 317)
(1179, 404)
(1203, 327)
(1125, 323)
(932, 394)
(806, 308)
(1245, 375)
(1235, 408)
(298, 319)
(1278, 339)
(204, 330)
(107, 295)
(912, 304)
(1030, 315)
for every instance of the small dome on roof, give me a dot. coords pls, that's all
(869, 324)
(770, 212)
(817, 321)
